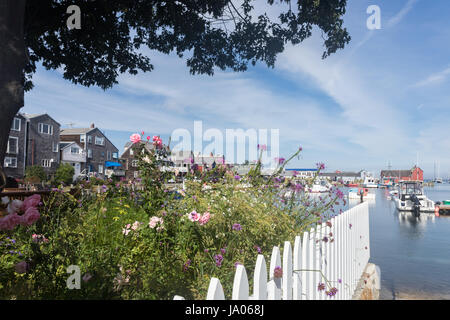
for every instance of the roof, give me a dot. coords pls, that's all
(395, 173)
(71, 131)
(299, 170)
(29, 116)
(340, 174)
(66, 144)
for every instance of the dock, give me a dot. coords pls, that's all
(444, 209)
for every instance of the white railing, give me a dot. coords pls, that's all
(336, 261)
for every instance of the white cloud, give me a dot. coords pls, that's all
(401, 14)
(433, 79)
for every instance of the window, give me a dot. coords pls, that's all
(100, 141)
(82, 138)
(134, 163)
(108, 155)
(55, 146)
(103, 154)
(100, 168)
(74, 150)
(136, 174)
(45, 128)
(10, 162)
(16, 124)
(13, 145)
(131, 152)
(89, 139)
(46, 163)
(89, 153)
(115, 155)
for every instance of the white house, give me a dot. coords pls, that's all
(73, 154)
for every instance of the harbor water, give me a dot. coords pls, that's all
(412, 253)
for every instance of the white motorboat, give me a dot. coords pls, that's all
(411, 198)
(369, 182)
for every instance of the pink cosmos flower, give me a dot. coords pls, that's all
(153, 222)
(135, 138)
(277, 272)
(135, 225)
(204, 218)
(194, 216)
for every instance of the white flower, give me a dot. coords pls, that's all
(5, 200)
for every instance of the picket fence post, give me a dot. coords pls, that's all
(338, 250)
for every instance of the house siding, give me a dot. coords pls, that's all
(17, 172)
(40, 145)
(98, 154)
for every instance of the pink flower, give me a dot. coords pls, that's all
(277, 272)
(157, 141)
(153, 222)
(204, 218)
(21, 267)
(31, 216)
(126, 231)
(135, 225)
(32, 201)
(194, 216)
(14, 206)
(135, 138)
(10, 221)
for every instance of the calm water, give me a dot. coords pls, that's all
(413, 254)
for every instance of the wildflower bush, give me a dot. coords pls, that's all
(157, 242)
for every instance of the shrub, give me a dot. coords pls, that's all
(64, 174)
(156, 242)
(35, 174)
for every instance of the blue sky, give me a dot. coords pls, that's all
(383, 98)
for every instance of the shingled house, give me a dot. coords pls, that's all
(415, 173)
(96, 145)
(33, 140)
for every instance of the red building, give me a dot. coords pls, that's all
(396, 175)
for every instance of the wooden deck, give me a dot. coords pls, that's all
(22, 194)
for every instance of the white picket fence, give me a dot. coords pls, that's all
(341, 260)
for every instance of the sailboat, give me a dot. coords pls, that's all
(437, 179)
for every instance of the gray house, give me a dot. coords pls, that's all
(96, 145)
(14, 165)
(33, 140)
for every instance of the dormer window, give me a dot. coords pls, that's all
(45, 128)
(100, 141)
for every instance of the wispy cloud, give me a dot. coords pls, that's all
(433, 79)
(401, 14)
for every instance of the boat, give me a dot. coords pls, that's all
(411, 197)
(369, 182)
(438, 180)
(320, 186)
(352, 184)
(355, 193)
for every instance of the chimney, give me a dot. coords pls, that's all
(92, 126)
